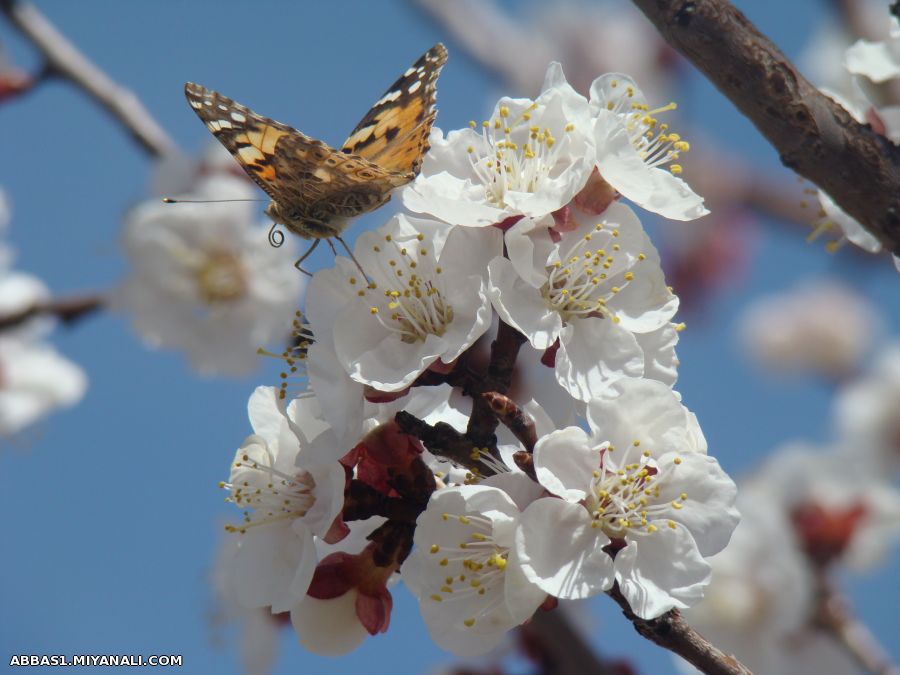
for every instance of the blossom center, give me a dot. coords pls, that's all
(220, 278)
(406, 290)
(475, 566)
(655, 145)
(626, 497)
(592, 275)
(271, 495)
(515, 155)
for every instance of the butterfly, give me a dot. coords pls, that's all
(317, 189)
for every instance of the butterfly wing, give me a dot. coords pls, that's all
(394, 133)
(296, 171)
(251, 139)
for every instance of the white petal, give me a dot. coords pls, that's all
(328, 627)
(564, 461)
(593, 354)
(661, 571)
(560, 551)
(652, 188)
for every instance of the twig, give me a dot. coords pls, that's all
(67, 310)
(64, 59)
(815, 136)
(513, 418)
(672, 632)
(833, 616)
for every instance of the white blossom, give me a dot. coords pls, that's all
(464, 569)
(205, 280)
(420, 308)
(289, 493)
(640, 486)
(593, 291)
(331, 627)
(636, 153)
(529, 159)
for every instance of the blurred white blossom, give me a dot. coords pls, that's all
(35, 379)
(866, 411)
(840, 511)
(759, 600)
(821, 326)
(205, 280)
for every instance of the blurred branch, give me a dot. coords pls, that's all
(492, 39)
(672, 632)
(67, 310)
(815, 136)
(833, 616)
(554, 642)
(63, 59)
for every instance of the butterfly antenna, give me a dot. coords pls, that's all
(305, 255)
(352, 257)
(170, 200)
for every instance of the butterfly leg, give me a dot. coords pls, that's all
(305, 256)
(350, 253)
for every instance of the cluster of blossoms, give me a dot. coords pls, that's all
(869, 65)
(557, 465)
(34, 378)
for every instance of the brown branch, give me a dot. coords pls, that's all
(833, 616)
(362, 501)
(64, 59)
(504, 350)
(672, 632)
(442, 440)
(814, 136)
(67, 310)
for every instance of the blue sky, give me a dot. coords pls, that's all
(113, 512)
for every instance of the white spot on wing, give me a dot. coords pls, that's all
(389, 97)
(414, 87)
(237, 117)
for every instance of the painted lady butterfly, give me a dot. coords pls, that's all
(316, 189)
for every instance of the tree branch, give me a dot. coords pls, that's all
(833, 616)
(814, 136)
(64, 59)
(672, 632)
(67, 310)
